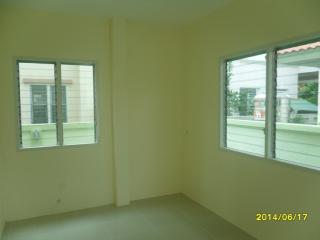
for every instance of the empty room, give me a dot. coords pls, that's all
(159, 119)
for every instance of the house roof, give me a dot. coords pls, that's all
(302, 105)
(300, 48)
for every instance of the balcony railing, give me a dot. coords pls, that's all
(294, 142)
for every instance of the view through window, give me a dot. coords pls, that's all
(295, 128)
(245, 103)
(38, 104)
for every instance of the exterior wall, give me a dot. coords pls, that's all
(79, 88)
(247, 135)
(86, 94)
(70, 72)
(78, 133)
(290, 65)
(243, 74)
(80, 94)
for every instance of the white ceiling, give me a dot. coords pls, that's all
(177, 11)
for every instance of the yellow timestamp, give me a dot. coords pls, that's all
(281, 216)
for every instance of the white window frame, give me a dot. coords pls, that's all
(57, 83)
(271, 81)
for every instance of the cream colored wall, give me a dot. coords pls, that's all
(232, 185)
(154, 66)
(40, 182)
(48, 181)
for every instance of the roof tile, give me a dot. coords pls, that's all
(300, 48)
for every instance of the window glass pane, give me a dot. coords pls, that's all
(36, 131)
(245, 104)
(80, 125)
(297, 127)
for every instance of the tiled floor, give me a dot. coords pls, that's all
(165, 218)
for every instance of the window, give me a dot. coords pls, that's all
(271, 104)
(47, 120)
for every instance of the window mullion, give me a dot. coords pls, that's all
(49, 99)
(270, 123)
(223, 106)
(59, 114)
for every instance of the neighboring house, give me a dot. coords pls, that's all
(37, 94)
(38, 104)
(297, 86)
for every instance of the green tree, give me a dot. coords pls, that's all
(246, 101)
(309, 92)
(233, 98)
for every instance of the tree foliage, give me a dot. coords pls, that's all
(309, 92)
(233, 98)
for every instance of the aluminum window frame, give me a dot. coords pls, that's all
(271, 85)
(57, 83)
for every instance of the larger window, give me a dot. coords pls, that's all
(271, 104)
(56, 104)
